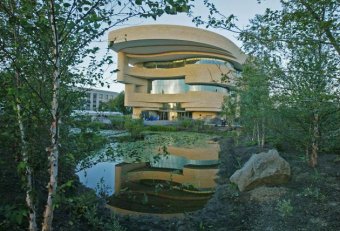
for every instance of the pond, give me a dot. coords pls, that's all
(179, 179)
(98, 171)
(99, 177)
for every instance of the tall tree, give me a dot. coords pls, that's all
(298, 46)
(14, 57)
(304, 66)
(116, 104)
(58, 34)
(255, 102)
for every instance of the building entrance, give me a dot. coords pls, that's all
(164, 115)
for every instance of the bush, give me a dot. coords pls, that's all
(84, 211)
(314, 193)
(285, 208)
(191, 124)
(159, 128)
(117, 122)
(186, 123)
(134, 126)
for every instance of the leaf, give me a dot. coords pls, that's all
(21, 166)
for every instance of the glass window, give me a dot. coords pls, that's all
(169, 86)
(183, 62)
(176, 86)
(208, 88)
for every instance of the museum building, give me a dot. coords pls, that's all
(172, 71)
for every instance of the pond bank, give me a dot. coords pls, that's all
(310, 201)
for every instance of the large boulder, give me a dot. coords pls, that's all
(265, 168)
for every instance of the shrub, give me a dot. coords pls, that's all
(159, 128)
(186, 123)
(285, 208)
(117, 122)
(134, 127)
(314, 193)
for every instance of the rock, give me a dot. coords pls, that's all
(265, 168)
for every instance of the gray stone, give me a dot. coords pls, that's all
(265, 168)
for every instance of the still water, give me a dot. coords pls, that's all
(98, 172)
(99, 176)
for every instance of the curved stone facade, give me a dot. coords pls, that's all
(175, 71)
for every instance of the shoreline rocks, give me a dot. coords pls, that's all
(265, 168)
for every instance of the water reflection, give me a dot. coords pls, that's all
(180, 181)
(98, 172)
(99, 176)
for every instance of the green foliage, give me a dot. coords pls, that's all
(155, 144)
(285, 208)
(254, 105)
(102, 190)
(314, 193)
(303, 66)
(117, 122)
(84, 213)
(186, 123)
(134, 126)
(145, 199)
(190, 124)
(116, 104)
(86, 142)
(43, 48)
(160, 128)
(12, 214)
(292, 87)
(316, 176)
(303, 158)
(229, 108)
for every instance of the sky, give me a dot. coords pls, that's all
(244, 10)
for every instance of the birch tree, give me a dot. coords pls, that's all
(303, 61)
(255, 102)
(59, 35)
(299, 48)
(14, 58)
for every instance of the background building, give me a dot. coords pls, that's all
(175, 71)
(95, 97)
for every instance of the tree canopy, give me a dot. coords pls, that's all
(43, 45)
(296, 46)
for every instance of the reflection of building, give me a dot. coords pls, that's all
(185, 166)
(175, 71)
(95, 97)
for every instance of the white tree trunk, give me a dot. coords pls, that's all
(24, 146)
(258, 133)
(263, 133)
(254, 132)
(54, 148)
(313, 160)
(28, 170)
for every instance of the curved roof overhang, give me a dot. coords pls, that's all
(176, 55)
(159, 39)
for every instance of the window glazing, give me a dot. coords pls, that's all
(169, 86)
(208, 88)
(183, 62)
(176, 86)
